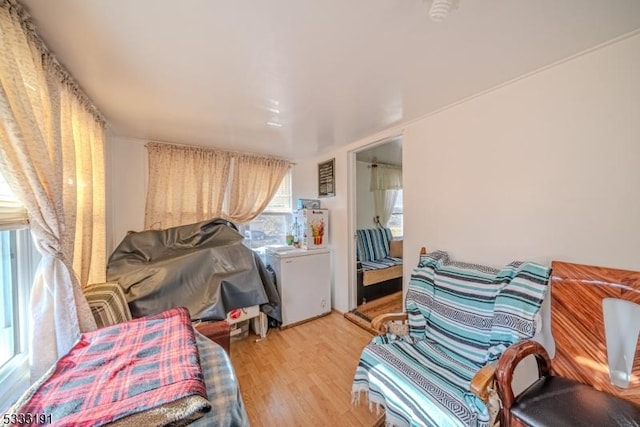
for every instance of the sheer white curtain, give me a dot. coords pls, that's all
(190, 184)
(385, 182)
(186, 185)
(51, 154)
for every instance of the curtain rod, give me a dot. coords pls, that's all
(384, 165)
(200, 148)
(50, 62)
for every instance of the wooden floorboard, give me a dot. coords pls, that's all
(364, 313)
(301, 376)
(387, 304)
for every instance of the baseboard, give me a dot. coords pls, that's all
(290, 325)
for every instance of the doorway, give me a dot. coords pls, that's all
(385, 154)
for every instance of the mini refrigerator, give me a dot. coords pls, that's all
(314, 228)
(303, 279)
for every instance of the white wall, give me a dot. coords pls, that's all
(126, 187)
(543, 168)
(305, 185)
(365, 209)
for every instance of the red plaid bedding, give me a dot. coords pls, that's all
(124, 370)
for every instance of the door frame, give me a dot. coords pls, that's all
(353, 210)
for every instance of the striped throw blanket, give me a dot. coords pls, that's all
(372, 244)
(460, 317)
(379, 264)
(142, 372)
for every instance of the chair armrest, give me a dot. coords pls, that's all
(379, 321)
(507, 364)
(482, 380)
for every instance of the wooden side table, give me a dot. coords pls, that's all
(218, 332)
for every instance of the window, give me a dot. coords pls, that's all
(18, 259)
(395, 222)
(272, 225)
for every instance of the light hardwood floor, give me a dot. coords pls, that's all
(301, 376)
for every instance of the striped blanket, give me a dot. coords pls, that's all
(460, 317)
(145, 371)
(372, 244)
(379, 264)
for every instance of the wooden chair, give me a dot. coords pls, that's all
(574, 388)
(410, 366)
(554, 400)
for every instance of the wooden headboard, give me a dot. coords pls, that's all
(577, 323)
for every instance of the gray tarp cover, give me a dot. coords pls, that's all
(203, 267)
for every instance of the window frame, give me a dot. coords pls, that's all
(398, 212)
(284, 212)
(15, 373)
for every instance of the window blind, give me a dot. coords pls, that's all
(12, 213)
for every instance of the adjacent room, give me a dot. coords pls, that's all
(379, 214)
(346, 213)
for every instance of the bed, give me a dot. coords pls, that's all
(151, 371)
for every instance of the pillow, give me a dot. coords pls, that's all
(395, 248)
(372, 243)
(516, 308)
(108, 303)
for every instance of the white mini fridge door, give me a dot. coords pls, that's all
(314, 224)
(304, 283)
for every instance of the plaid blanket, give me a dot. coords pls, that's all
(147, 369)
(227, 407)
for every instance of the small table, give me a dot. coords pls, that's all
(218, 331)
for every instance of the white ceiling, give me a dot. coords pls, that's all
(208, 72)
(388, 152)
